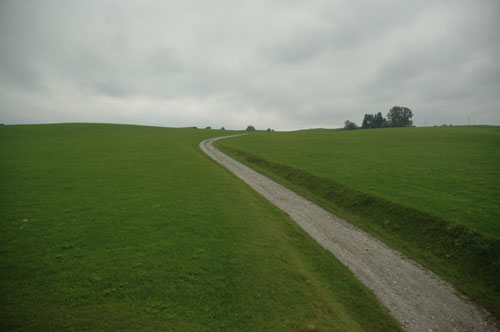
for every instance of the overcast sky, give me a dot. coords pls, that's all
(284, 64)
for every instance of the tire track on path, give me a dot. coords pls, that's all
(415, 297)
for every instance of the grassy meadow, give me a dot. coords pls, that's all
(432, 193)
(114, 227)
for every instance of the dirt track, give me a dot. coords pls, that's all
(415, 297)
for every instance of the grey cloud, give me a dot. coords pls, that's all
(297, 63)
(20, 75)
(441, 70)
(164, 61)
(302, 46)
(342, 26)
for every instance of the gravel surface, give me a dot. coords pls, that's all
(415, 297)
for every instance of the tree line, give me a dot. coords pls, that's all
(398, 116)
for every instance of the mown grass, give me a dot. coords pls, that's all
(112, 227)
(432, 193)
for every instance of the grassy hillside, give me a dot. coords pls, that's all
(108, 227)
(433, 193)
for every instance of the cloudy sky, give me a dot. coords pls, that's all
(284, 64)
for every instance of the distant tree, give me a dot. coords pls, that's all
(269, 129)
(379, 121)
(367, 121)
(348, 125)
(374, 121)
(208, 127)
(399, 116)
(223, 128)
(250, 127)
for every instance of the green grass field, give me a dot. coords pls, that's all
(433, 193)
(113, 227)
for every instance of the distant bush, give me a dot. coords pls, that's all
(348, 125)
(208, 127)
(222, 128)
(250, 127)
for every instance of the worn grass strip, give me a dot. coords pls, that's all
(467, 259)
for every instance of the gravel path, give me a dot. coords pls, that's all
(415, 297)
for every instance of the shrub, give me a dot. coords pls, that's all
(348, 125)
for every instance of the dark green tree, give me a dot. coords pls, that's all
(367, 121)
(348, 125)
(379, 121)
(250, 127)
(374, 121)
(400, 116)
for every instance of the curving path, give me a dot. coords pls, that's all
(415, 297)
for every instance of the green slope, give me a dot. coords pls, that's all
(433, 193)
(111, 227)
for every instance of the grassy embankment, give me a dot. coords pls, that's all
(112, 227)
(432, 193)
